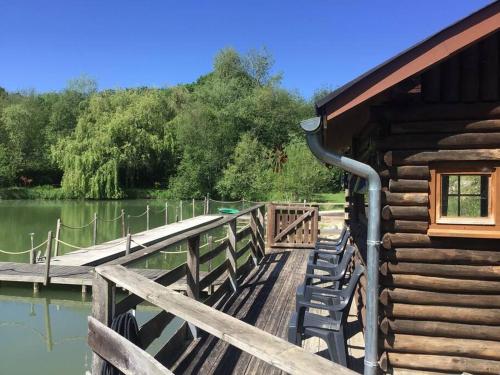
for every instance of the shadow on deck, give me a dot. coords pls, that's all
(266, 299)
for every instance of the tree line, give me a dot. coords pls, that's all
(233, 133)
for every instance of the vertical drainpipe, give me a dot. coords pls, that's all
(312, 127)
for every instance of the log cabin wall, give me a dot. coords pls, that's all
(440, 296)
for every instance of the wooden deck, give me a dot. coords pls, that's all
(104, 252)
(265, 300)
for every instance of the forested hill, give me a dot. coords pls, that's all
(233, 133)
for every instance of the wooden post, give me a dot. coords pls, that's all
(205, 205)
(48, 253)
(32, 252)
(166, 213)
(255, 240)
(193, 273)
(210, 246)
(103, 309)
(147, 217)
(180, 209)
(94, 232)
(194, 213)
(270, 224)
(58, 233)
(208, 204)
(128, 223)
(123, 223)
(127, 244)
(260, 231)
(231, 254)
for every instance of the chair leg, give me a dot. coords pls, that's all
(341, 347)
(294, 335)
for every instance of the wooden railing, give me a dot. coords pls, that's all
(130, 359)
(208, 289)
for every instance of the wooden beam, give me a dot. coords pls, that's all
(438, 255)
(269, 348)
(423, 157)
(121, 353)
(442, 270)
(292, 225)
(441, 284)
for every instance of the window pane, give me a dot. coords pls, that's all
(464, 195)
(470, 206)
(470, 184)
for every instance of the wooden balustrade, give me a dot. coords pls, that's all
(235, 246)
(130, 359)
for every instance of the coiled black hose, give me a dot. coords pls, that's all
(126, 325)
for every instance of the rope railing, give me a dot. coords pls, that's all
(25, 251)
(111, 220)
(80, 227)
(138, 216)
(87, 248)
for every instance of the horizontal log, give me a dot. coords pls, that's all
(406, 172)
(405, 199)
(405, 212)
(406, 226)
(484, 349)
(243, 250)
(423, 157)
(440, 329)
(390, 240)
(442, 270)
(421, 240)
(242, 233)
(441, 284)
(420, 297)
(439, 141)
(440, 111)
(440, 363)
(468, 315)
(408, 186)
(458, 126)
(437, 255)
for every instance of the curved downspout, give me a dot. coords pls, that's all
(312, 128)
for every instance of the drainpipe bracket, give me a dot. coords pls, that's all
(375, 243)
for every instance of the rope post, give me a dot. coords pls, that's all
(194, 214)
(210, 248)
(304, 202)
(208, 203)
(128, 223)
(180, 209)
(176, 214)
(166, 213)
(205, 205)
(94, 232)
(147, 217)
(127, 244)
(58, 233)
(32, 252)
(123, 223)
(48, 253)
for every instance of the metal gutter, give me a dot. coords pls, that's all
(312, 127)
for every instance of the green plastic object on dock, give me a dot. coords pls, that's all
(229, 211)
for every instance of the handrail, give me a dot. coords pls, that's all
(180, 237)
(260, 344)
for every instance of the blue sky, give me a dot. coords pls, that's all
(315, 43)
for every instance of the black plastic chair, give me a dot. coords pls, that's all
(329, 252)
(335, 276)
(304, 324)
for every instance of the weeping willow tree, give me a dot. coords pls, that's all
(123, 139)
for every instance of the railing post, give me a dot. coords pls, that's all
(194, 213)
(231, 254)
(180, 209)
(193, 273)
(166, 213)
(58, 233)
(32, 252)
(208, 204)
(103, 309)
(48, 253)
(205, 205)
(255, 241)
(127, 244)
(147, 217)
(123, 223)
(94, 233)
(260, 231)
(210, 246)
(128, 223)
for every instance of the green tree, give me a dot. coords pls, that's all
(249, 174)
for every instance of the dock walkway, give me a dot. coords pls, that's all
(104, 252)
(266, 300)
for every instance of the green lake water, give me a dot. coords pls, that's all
(47, 333)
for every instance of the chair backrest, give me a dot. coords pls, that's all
(348, 292)
(345, 260)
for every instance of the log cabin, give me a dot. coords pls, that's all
(428, 121)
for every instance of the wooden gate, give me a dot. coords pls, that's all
(292, 226)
